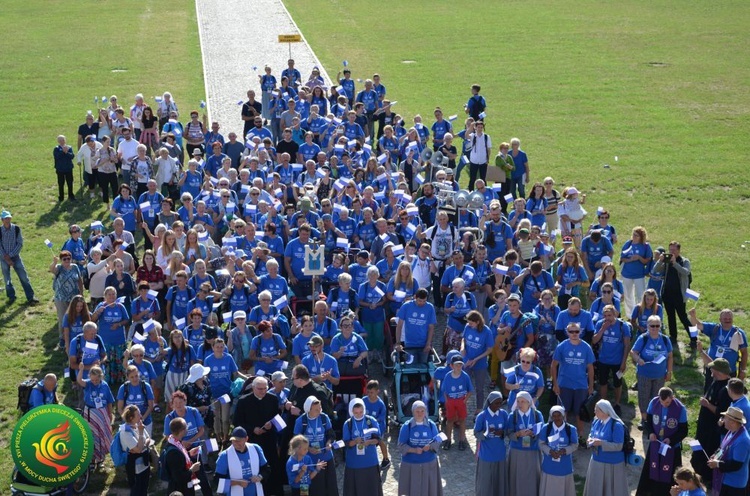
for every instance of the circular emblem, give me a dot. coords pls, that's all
(52, 445)
(672, 423)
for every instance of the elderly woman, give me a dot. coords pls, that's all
(124, 207)
(524, 450)
(97, 410)
(134, 438)
(606, 474)
(458, 304)
(652, 353)
(525, 377)
(121, 280)
(317, 429)
(98, 270)
(135, 356)
(361, 435)
(105, 164)
(418, 442)
(67, 283)
(371, 298)
(112, 317)
(239, 338)
(635, 257)
(489, 430)
(557, 442)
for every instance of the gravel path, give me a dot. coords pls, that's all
(229, 57)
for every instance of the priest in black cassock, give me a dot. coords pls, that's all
(254, 413)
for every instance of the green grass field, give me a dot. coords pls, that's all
(661, 85)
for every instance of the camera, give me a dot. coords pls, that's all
(667, 257)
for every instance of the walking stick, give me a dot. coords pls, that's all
(80, 177)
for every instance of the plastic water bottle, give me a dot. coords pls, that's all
(304, 490)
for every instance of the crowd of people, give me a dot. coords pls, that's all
(200, 302)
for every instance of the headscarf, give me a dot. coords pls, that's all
(522, 395)
(606, 407)
(418, 404)
(354, 402)
(557, 408)
(493, 396)
(309, 403)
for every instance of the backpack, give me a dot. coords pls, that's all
(163, 469)
(435, 230)
(127, 388)
(118, 453)
(191, 295)
(368, 423)
(325, 396)
(352, 301)
(479, 106)
(628, 443)
(663, 340)
(549, 429)
(24, 393)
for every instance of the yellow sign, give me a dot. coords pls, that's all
(290, 38)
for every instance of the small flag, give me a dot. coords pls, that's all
(148, 325)
(384, 237)
(124, 246)
(211, 445)
(222, 272)
(340, 184)
(340, 147)
(278, 423)
(342, 243)
(224, 399)
(48, 243)
(508, 198)
(380, 195)
(139, 338)
(553, 438)
(97, 225)
(66, 373)
(320, 173)
(531, 375)
(334, 306)
(337, 208)
(398, 250)
(240, 102)
(351, 143)
(413, 211)
(92, 346)
(230, 241)
(340, 90)
(420, 179)
(497, 187)
(452, 118)
(338, 445)
(617, 294)
(224, 486)
(695, 445)
(284, 365)
(399, 295)
(346, 63)
(105, 99)
(411, 229)
(379, 291)
(693, 330)
(483, 115)
(367, 147)
(120, 300)
(280, 302)
(509, 372)
(382, 158)
(664, 449)
(372, 431)
(216, 306)
(537, 428)
(179, 323)
(152, 294)
(245, 188)
(226, 316)
(441, 437)
(500, 269)
(692, 295)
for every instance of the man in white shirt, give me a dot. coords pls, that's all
(479, 154)
(136, 112)
(126, 151)
(443, 238)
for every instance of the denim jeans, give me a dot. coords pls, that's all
(516, 183)
(22, 276)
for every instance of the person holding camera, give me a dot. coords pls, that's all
(677, 276)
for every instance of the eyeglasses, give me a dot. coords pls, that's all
(75, 231)
(346, 325)
(606, 292)
(65, 258)
(525, 361)
(654, 326)
(254, 194)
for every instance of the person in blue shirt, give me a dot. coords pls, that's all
(349, 348)
(371, 101)
(524, 424)
(476, 346)
(223, 370)
(45, 392)
(520, 176)
(736, 390)
(594, 248)
(606, 473)
(688, 482)
(375, 408)
(361, 435)
(514, 324)
(575, 314)
(726, 340)
(315, 426)
(607, 298)
(301, 470)
(533, 280)
(300, 343)
(242, 465)
(416, 324)
(613, 337)
(476, 103)
(456, 389)
(418, 443)
(267, 350)
(294, 261)
(572, 278)
(124, 206)
(98, 403)
(572, 372)
(525, 377)
(635, 257)
(458, 304)
(138, 393)
(490, 428)
(439, 129)
(323, 368)
(652, 352)
(547, 311)
(558, 441)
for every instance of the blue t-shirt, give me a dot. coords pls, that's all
(145, 370)
(276, 285)
(417, 436)
(264, 348)
(87, 355)
(564, 465)
(376, 410)
(642, 317)
(492, 447)
(179, 299)
(530, 381)
(607, 431)
(456, 387)
(417, 320)
(582, 318)
(193, 419)
(574, 361)
(651, 351)
(359, 274)
(299, 345)
(354, 429)
(97, 396)
(40, 396)
(721, 343)
(76, 327)
(139, 396)
(467, 273)
(507, 319)
(612, 344)
(519, 422)
(126, 209)
(295, 250)
(110, 315)
(315, 432)
(317, 366)
(533, 284)
(738, 450)
(547, 318)
(180, 361)
(368, 294)
(222, 467)
(476, 342)
(153, 352)
(463, 305)
(595, 251)
(353, 346)
(221, 375)
(570, 274)
(635, 269)
(293, 468)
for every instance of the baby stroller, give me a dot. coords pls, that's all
(412, 382)
(20, 486)
(348, 388)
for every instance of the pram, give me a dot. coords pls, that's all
(348, 388)
(20, 486)
(412, 382)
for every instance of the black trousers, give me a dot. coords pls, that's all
(474, 169)
(108, 183)
(437, 295)
(62, 178)
(675, 304)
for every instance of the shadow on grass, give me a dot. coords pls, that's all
(82, 212)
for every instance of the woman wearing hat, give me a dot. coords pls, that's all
(557, 442)
(666, 424)
(418, 443)
(606, 473)
(316, 427)
(489, 430)
(524, 470)
(197, 391)
(730, 463)
(361, 435)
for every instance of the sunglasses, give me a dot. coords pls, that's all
(254, 194)
(654, 326)
(65, 258)
(225, 196)
(606, 292)
(574, 332)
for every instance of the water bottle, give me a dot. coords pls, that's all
(304, 490)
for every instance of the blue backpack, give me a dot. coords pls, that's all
(118, 453)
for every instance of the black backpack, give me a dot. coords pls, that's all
(549, 429)
(628, 443)
(163, 470)
(24, 393)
